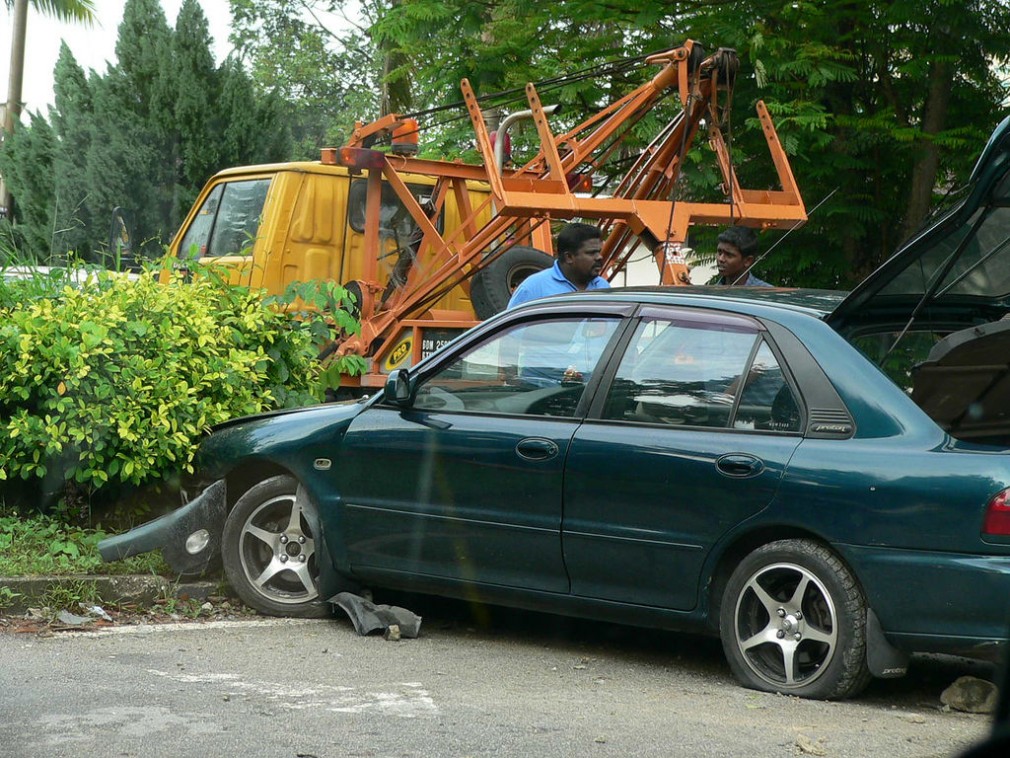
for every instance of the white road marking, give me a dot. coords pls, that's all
(136, 722)
(190, 626)
(405, 699)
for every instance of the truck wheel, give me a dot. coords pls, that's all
(491, 288)
(269, 553)
(793, 621)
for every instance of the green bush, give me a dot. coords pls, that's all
(113, 382)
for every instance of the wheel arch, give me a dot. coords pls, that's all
(745, 543)
(851, 648)
(249, 473)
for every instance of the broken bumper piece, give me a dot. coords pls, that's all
(368, 617)
(189, 538)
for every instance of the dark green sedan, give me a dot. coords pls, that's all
(822, 481)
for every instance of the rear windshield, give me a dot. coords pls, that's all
(972, 259)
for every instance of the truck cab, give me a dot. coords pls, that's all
(273, 225)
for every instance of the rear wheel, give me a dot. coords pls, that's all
(793, 620)
(269, 550)
(492, 288)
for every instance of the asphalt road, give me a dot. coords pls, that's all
(472, 685)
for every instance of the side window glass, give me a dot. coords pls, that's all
(227, 221)
(394, 220)
(681, 373)
(538, 369)
(399, 235)
(898, 361)
(767, 403)
(238, 217)
(194, 242)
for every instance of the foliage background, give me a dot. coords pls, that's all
(143, 137)
(882, 105)
(108, 385)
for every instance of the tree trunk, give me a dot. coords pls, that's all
(924, 172)
(14, 89)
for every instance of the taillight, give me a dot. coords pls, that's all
(997, 515)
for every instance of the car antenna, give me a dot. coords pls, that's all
(791, 229)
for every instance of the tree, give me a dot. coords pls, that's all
(327, 73)
(137, 108)
(143, 137)
(32, 176)
(568, 48)
(197, 94)
(881, 103)
(67, 10)
(71, 118)
(252, 128)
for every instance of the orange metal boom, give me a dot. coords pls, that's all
(641, 210)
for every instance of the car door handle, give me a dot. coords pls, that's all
(536, 449)
(739, 465)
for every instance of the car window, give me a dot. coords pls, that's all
(194, 243)
(767, 402)
(535, 369)
(898, 361)
(397, 227)
(983, 265)
(228, 220)
(694, 373)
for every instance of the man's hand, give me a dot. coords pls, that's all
(572, 376)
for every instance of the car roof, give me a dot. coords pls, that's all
(813, 302)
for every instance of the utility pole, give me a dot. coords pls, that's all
(13, 110)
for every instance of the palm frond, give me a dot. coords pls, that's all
(82, 11)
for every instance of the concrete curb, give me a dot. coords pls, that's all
(126, 589)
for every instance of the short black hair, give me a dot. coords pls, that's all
(571, 237)
(743, 238)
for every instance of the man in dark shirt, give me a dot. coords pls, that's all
(735, 255)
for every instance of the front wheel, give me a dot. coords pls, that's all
(793, 621)
(269, 550)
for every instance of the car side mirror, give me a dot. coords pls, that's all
(398, 387)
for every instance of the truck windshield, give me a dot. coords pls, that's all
(228, 220)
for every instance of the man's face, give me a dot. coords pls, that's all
(586, 263)
(731, 262)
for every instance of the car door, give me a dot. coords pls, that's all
(466, 484)
(690, 439)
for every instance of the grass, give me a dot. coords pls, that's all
(42, 546)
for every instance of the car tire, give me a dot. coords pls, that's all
(269, 552)
(793, 621)
(482, 306)
(492, 288)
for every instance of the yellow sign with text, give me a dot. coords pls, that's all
(398, 354)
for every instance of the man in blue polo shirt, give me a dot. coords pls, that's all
(577, 266)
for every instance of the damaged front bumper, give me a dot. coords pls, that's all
(189, 538)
